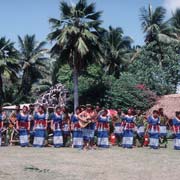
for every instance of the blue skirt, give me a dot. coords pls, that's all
(57, 138)
(127, 141)
(39, 137)
(23, 137)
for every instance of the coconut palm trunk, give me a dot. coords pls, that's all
(75, 81)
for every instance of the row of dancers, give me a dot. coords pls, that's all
(89, 127)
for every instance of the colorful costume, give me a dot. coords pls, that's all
(176, 130)
(1, 119)
(102, 131)
(77, 133)
(23, 120)
(57, 134)
(128, 124)
(40, 129)
(153, 130)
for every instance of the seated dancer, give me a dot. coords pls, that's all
(140, 129)
(56, 126)
(176, 131)
(128, 129)
(40, 125)
(2, 117)
(23, 126)
(77, 136)
(87, 120)
(163, 127)
(153, 129)
(118, 128)
(103, 130)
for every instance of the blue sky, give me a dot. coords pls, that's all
(20, 17)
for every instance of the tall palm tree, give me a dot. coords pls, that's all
(76, 36)
(175, 22)
(33, 61)
(117, 51)
(8, 62)
(153, 23)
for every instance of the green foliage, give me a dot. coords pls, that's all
(157, 67)
(126, 92)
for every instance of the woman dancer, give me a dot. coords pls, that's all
(40, 126)
(128, 132)
(176, 131)
(153, 129)
(103, 130)
(76, 130)
(23, 125)
(56, 126)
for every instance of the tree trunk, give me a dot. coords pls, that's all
(1, 90)
(75, 81)
(26, 82)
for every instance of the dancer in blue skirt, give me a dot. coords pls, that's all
(176, 131)
(40, 126)
(76, 130)
(23, 125)
(103, 130)
(56, 126)
(128, 130)
(154, 130)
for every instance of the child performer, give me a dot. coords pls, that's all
(2, 117)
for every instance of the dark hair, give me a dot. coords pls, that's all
(26, 107)
(155, 112)
(58, 107)
(177, 113)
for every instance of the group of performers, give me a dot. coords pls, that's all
(89, 127)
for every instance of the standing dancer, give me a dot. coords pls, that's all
(129, 125)
(23, 125)
(2, 116)
(153, 129)
(103, 130)
(87, 120)
(56, 126)
(176, 131)
(76, 130)
(40, 125)
(163, 127)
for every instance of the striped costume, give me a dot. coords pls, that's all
(176, 130)
(77, 133)
(153, 130)
(23, 120)
(57, 134)
(102, 131)
(40, 129)
(129, 125)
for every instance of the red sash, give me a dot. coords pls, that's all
(102, 125)
(40, 122)
(23, 125)
(155, 127)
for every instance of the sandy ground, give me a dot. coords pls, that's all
(71, 164)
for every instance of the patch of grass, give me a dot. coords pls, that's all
(36, 169)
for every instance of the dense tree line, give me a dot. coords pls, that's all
(95, 64)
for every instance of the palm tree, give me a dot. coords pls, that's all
(175, 22)
(76, 36)
(117, 51)
(153, 23)
(33, 61)
(8, 62)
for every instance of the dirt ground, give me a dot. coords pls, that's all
(18, 163)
